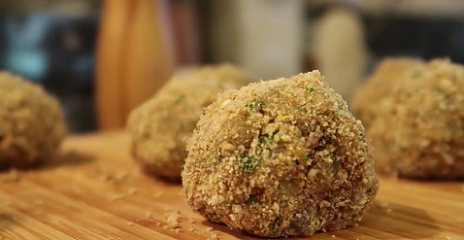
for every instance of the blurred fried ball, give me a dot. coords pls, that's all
(161, 126)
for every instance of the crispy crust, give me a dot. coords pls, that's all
(420, 129)
(280, 158)
(31, 123)
(161, 126)
(367, 100)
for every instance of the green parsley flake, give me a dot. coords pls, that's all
(310, 90)
(276, 223)
(308, 156)
(179, 99)
(249, 163)
(255, 105)
(252, 199)
(266, 138)
(336, 165)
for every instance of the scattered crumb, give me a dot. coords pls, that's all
(158, 224)
(215, 236)
(38, 202)
(389, 210)
(165, 227)
(114, 197)
(158, 194)
(148, 215)
(209, 229)
(191, 229)
(172, 219)
(11, 177)
(191, 220)
(130, 224)
(448, 238)
(110, 177)
(132, 191)
(137, 220)
(333, 236)
(384, 204)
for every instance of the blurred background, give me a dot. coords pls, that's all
(103, 58)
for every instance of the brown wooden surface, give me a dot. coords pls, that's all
(95, 191)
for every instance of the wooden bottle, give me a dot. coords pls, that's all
(109, 66)
(134, 58)
(149, 58)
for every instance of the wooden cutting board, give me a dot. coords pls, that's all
(94, 191)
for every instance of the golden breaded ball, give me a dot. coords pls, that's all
(367, 100)
(31, 123)
(280, 158)
(420, 131)
(161, 126)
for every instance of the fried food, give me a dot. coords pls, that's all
(419, 131)
(367, 100)
(280, 158)
(161, 126)
(31, 123)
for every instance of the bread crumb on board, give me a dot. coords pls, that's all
(333, 236)
(448, 238)
(132, 191)
(130, 224)
(383, 204)
(158, 194)
(114, 197)
(172, 218)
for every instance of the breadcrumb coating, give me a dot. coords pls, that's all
(419, 132)
(31, 123)
(280, 158)
(161, 126)
(367, 100)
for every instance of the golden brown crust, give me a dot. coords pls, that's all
(280, 158)
(31, 123)
(161, 126)
(367, 100)
(420, 129)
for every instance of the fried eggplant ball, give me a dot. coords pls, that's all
(31, 123)
(280, 158)
(368, 97)
(420, 131)
(161, 126)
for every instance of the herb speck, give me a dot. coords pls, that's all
(336, 165)
(252, 199)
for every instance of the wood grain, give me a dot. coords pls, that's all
(95, 191)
